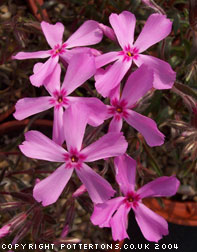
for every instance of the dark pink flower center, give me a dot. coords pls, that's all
(118, 109)
(129, 53)
(59, 98)
(58, 49)
(132, 199)
(74, 159)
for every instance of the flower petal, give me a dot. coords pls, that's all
(115, 93)
(66, 57)
(49, 189)
(146, 126)
(100, 71)
(88, 33)
(115, 125)
(58, 135)
(109, 113)
(97, 109)
(74, 123)
(98, 188)
(5, 230)
(119, 223)
(160, 187)
(112, 77)
(124, 26)
(79, 191)
(152, 225)
(106, 58)
(37, 145)
(102, 213)
(52, 82)
(164, 76)
(137, 85)
(39, 78)
(108, 32)
(80, 69)
(109, 145)
(53, 33)
(156, 28)
(31, 55)
(92, 51)
(30, 106)
(125, 173)
(37, 67)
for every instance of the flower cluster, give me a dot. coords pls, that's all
(124, 87)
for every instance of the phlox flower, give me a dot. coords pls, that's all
(79, 191)
(107, 31)
(15, 222)
(157, 27)
(137, 85)
(5, 230)
(77, 73)
(88, 33)
(114, 212)
(37, 145)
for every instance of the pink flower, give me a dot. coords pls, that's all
(15, 222)
(88, 33)
(114, 212)
(77, 73)
(39, 146)
(137, 85)
(5, 230)
(107, 31)
(157, 27)
(79, 191)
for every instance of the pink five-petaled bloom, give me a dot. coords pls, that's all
(88, 33)
(114, 212)
(39, 146)
(77, 73)
(157, 27)
(137, 85)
